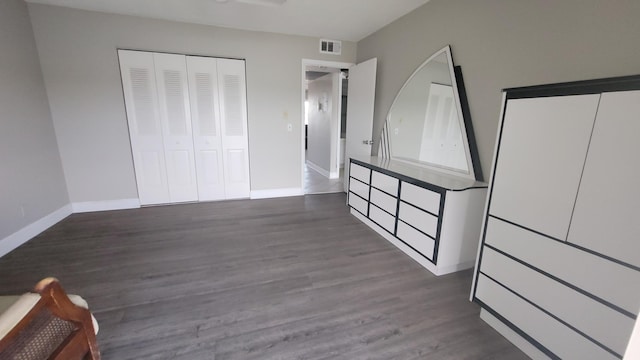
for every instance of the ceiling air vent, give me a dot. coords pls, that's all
(330, 46)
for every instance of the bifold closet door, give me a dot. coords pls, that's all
(175, 116)
(145, 128)
(233, 112)
(205, 116)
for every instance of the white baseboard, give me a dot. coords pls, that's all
(276, 193)
(30, 231)
(91, 206)
(317, 168)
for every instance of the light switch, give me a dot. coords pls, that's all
(289, 127)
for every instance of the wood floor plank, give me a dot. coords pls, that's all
(289, 278)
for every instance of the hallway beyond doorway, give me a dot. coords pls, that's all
(316, 183)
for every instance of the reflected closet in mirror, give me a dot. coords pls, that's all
(428, 124)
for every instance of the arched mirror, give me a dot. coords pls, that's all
(428, 123)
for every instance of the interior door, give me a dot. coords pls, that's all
(207, 138)
(145, 128)
(175, 116)
(360, 102)
(233, 115)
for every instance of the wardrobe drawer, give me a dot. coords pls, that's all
(417, 240)
(581, 269)
(558, 338)
(604, 324)
(385, 183)
(421, 197)
(358, 203)
(360, 172)
(383, 219)
(419, 219)
(359, 188)
(386, 202)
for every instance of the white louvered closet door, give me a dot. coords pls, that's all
(207, 137)
(141, 97)
(175, 115)
(233, 112)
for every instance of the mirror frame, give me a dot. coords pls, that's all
(462, 107)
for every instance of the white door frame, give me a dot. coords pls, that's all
(305, 63)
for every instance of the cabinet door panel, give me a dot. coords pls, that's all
(540, 160)
(145, 128)
(235, 140)
(207, 139)
(175, 115)
(606, 213)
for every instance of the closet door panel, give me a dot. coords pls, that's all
(205, 115)
(540, 161)
(175, 114)
(145, 128)
(607, 198)
(233, 112)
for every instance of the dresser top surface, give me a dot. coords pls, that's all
(409, 171)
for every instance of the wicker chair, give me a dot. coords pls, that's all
(47, 324)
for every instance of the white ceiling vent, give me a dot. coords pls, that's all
(330, 46)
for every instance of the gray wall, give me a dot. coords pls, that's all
(30, 170)
(79, 61)
(506, 43)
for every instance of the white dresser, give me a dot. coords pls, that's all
(559, 268)
(433, 218)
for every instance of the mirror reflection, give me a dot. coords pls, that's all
(424, 124)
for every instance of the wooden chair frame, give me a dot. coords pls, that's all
(81, 343)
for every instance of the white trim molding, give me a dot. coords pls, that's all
(32, 230)
(276, 193)
(106, 205)
(318, 169)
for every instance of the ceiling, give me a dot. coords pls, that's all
(349, 20)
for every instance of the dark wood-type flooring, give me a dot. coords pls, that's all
(289, 278)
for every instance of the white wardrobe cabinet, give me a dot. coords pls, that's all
(559, 261)
(188, 126)
(435, 219)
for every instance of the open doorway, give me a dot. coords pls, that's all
(325, 91)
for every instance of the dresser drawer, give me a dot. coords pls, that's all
(358, 203)
(417, 240)
(360, 172)
(386, 202)
(359, 188)
(419, 219)
(421, 197)
(385, 183)
(383, 219)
